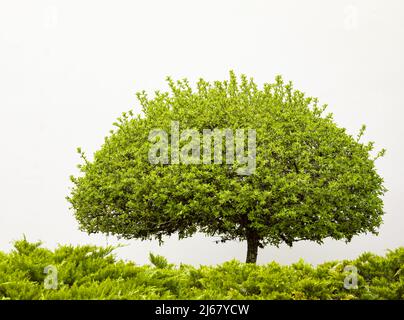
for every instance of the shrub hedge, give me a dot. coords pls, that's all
(90, 272)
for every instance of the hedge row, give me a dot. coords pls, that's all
(90, 272)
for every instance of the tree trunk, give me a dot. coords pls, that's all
(252, 248)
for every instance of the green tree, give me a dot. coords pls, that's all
(312, 179)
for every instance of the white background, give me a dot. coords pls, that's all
(68, 69)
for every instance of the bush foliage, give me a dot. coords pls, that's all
(90, 272)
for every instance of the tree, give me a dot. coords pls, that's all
(312, 180)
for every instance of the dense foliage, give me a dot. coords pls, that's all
(88, 272)
(312, 180)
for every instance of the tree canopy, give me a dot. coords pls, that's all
(312, 180)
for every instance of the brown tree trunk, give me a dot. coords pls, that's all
(252, 248)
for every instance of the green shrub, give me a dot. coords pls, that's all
(90, 272)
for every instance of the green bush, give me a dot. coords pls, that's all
(90, 272)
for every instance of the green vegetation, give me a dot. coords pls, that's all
(312, 180)
(89, 272)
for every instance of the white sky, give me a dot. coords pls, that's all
(69, 68)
